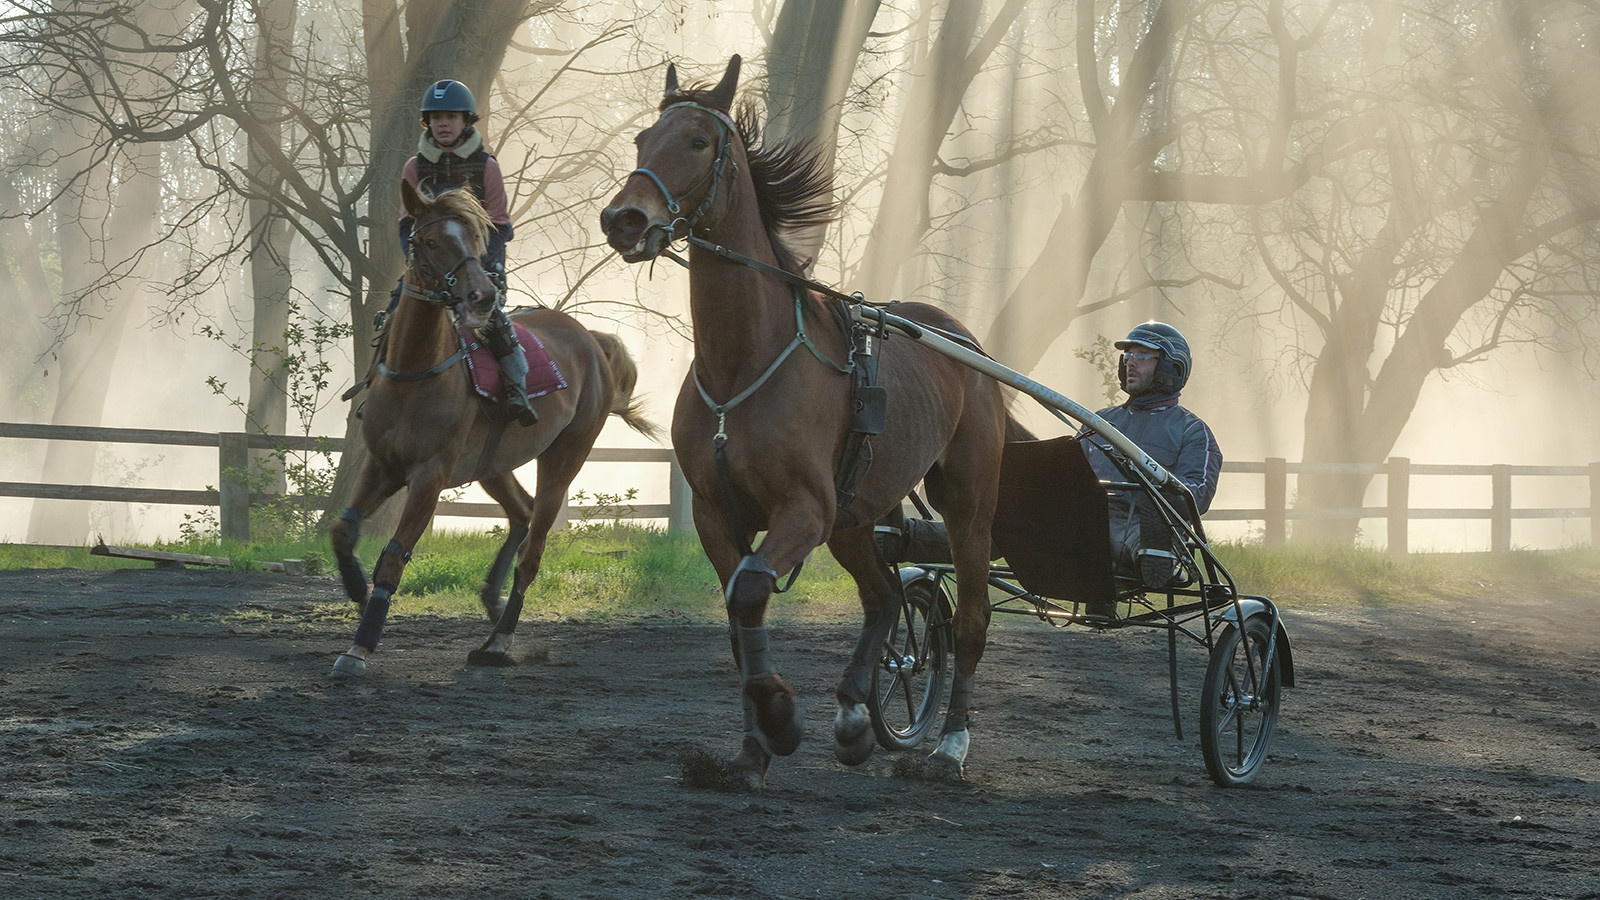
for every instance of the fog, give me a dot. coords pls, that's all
(1418, 196)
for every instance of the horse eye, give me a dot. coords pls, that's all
(699, 144)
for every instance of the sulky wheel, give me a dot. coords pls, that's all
(910, 675)
(1239, 703)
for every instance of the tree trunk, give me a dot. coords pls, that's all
(271, 239)
(815, 46)
(937, 88)
(463, 40)
(87, 356)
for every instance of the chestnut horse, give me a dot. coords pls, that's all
(765, 413)
(425, 428)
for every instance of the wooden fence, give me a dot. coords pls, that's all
(233, 498)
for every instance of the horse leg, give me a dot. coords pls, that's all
(558, 466)
(969, 544)
(420, 504)
(506, 491)
(371, 490)
(772, 716)
(857, 553)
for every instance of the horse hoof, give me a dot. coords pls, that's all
(483, 656)
(750, 765)
(777, 714)
(347, 666)
(852, 734)
(951, 754)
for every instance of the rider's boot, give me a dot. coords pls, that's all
(501, 339)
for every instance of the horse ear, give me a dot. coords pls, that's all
(721, 96)
(410, 199)
(672, 80)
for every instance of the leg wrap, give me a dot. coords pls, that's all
(377, 612)
(753, 659)
(765, 581)
(960, 703)
(512, 612)
(355, 581)
(393, 548)
(353, 533)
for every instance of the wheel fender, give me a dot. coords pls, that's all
(1249, 608)
(910, 575)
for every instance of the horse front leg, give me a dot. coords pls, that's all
(372, 488)
(420, 504)
(558, 466)
(772, 717)
(857, 553)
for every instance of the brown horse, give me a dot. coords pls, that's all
(761, 424)
(425, 428)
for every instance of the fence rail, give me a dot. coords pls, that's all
(233, 498)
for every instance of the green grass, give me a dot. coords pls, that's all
(606, 572)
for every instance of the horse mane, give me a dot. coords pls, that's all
(793, 181)
(461, 203)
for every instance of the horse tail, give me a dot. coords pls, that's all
(1016, 431)
(624, 378)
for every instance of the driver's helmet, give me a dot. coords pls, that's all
(1173, 370)
(445, 96)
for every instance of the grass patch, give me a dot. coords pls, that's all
(613, 571)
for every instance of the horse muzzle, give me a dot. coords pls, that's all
(633, 233)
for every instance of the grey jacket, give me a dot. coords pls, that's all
(1174, 437)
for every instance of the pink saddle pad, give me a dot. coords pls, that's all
(543, 376)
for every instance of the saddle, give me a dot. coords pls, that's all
(484, 372)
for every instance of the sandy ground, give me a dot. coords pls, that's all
(175, 734)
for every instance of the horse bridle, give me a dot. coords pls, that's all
(445, 296)
(715, 174)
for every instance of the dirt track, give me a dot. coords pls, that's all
(154, 743)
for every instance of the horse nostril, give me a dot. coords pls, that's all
(607, 215)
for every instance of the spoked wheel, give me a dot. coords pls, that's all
(910, 678)
(1239, 703)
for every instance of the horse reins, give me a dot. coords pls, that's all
(445, 298)
(713, 174)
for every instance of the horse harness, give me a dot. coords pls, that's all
(868, 399)
(444, 297)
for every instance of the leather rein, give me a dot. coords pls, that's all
(443, 297)
(861, 363)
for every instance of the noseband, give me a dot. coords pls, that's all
(714, 174)
(440, 296)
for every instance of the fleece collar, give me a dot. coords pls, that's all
(468, 145)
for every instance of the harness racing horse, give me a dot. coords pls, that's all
(765, 415)
(425, 428)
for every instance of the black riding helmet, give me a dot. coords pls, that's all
(449, 96)
(1172, 371)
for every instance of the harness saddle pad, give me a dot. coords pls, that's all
(543, 376)
(1051, 523)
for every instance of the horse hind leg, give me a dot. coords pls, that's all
(506, 491)
(558, 466)
(856, 552)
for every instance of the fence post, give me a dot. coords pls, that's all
(1594, 504)
(1500, 509)
(1399, 505)
(233, 486)
(1276, 469)
(680, 508)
